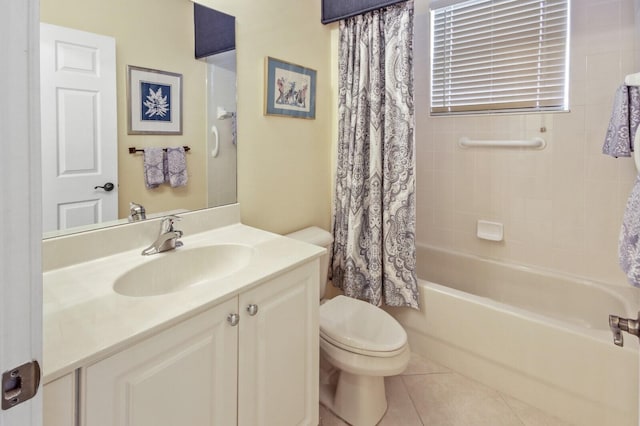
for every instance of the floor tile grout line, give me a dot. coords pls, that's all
(413, 403)
(426, 374)
(502, 397)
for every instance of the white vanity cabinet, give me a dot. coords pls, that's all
(184, 375)
(250, 360)
(59, 401)
(278, 358)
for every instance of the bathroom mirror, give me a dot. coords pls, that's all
(158, 35)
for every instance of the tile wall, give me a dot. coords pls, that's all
(562, 206)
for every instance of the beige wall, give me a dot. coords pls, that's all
(155, 34)
(283, 163)
(561, 207)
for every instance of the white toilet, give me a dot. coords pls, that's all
(360, 340)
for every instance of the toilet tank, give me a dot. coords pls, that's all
(318, 237)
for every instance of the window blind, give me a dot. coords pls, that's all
(497, 55)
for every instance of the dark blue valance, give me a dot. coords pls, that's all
(215, 31)
(335, 10)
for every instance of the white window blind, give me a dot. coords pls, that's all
(500, 55)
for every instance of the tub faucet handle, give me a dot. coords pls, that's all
(618, 325)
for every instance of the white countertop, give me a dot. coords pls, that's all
(85, 320)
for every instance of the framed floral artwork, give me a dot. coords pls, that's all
(154, 102)
(290, 89)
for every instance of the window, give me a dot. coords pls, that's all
(500, 55)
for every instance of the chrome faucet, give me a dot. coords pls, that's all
(136, 212)
(168, 238)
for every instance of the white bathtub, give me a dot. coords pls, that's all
(540, 337)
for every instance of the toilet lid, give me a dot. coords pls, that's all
(359, 325)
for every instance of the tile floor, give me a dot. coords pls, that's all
(427, 394)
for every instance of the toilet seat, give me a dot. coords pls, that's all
(359, 327)
(359, 351)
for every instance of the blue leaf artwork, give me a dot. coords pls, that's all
(155, 100)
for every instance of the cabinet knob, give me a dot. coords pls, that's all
(252, 309)
(233, 319)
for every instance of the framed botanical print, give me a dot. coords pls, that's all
(154, 102)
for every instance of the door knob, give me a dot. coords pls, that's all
(107, 186)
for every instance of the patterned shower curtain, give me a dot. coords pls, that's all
(373, 256)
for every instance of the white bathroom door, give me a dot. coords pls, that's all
(79, 127)
(20, 201)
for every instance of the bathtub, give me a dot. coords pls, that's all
(538, 336)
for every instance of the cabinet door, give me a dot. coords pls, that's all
(185, 375)
(59, 402)
(278, 351)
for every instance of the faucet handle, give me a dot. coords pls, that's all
(166, 224)
(137, 212)
(618, 325)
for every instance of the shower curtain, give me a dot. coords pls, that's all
(373, 255)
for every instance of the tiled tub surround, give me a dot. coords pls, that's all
(85, 320)
(561, 206)
(536, 335)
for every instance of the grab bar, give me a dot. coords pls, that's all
(538, 143)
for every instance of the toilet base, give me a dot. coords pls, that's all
(359, 400)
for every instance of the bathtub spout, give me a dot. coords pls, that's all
(618, 325)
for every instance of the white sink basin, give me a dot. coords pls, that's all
(175, 270)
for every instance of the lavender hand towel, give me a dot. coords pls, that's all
(629, 243)
(634, 112)
(624, 122)
(177, 167)
(153, 167)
